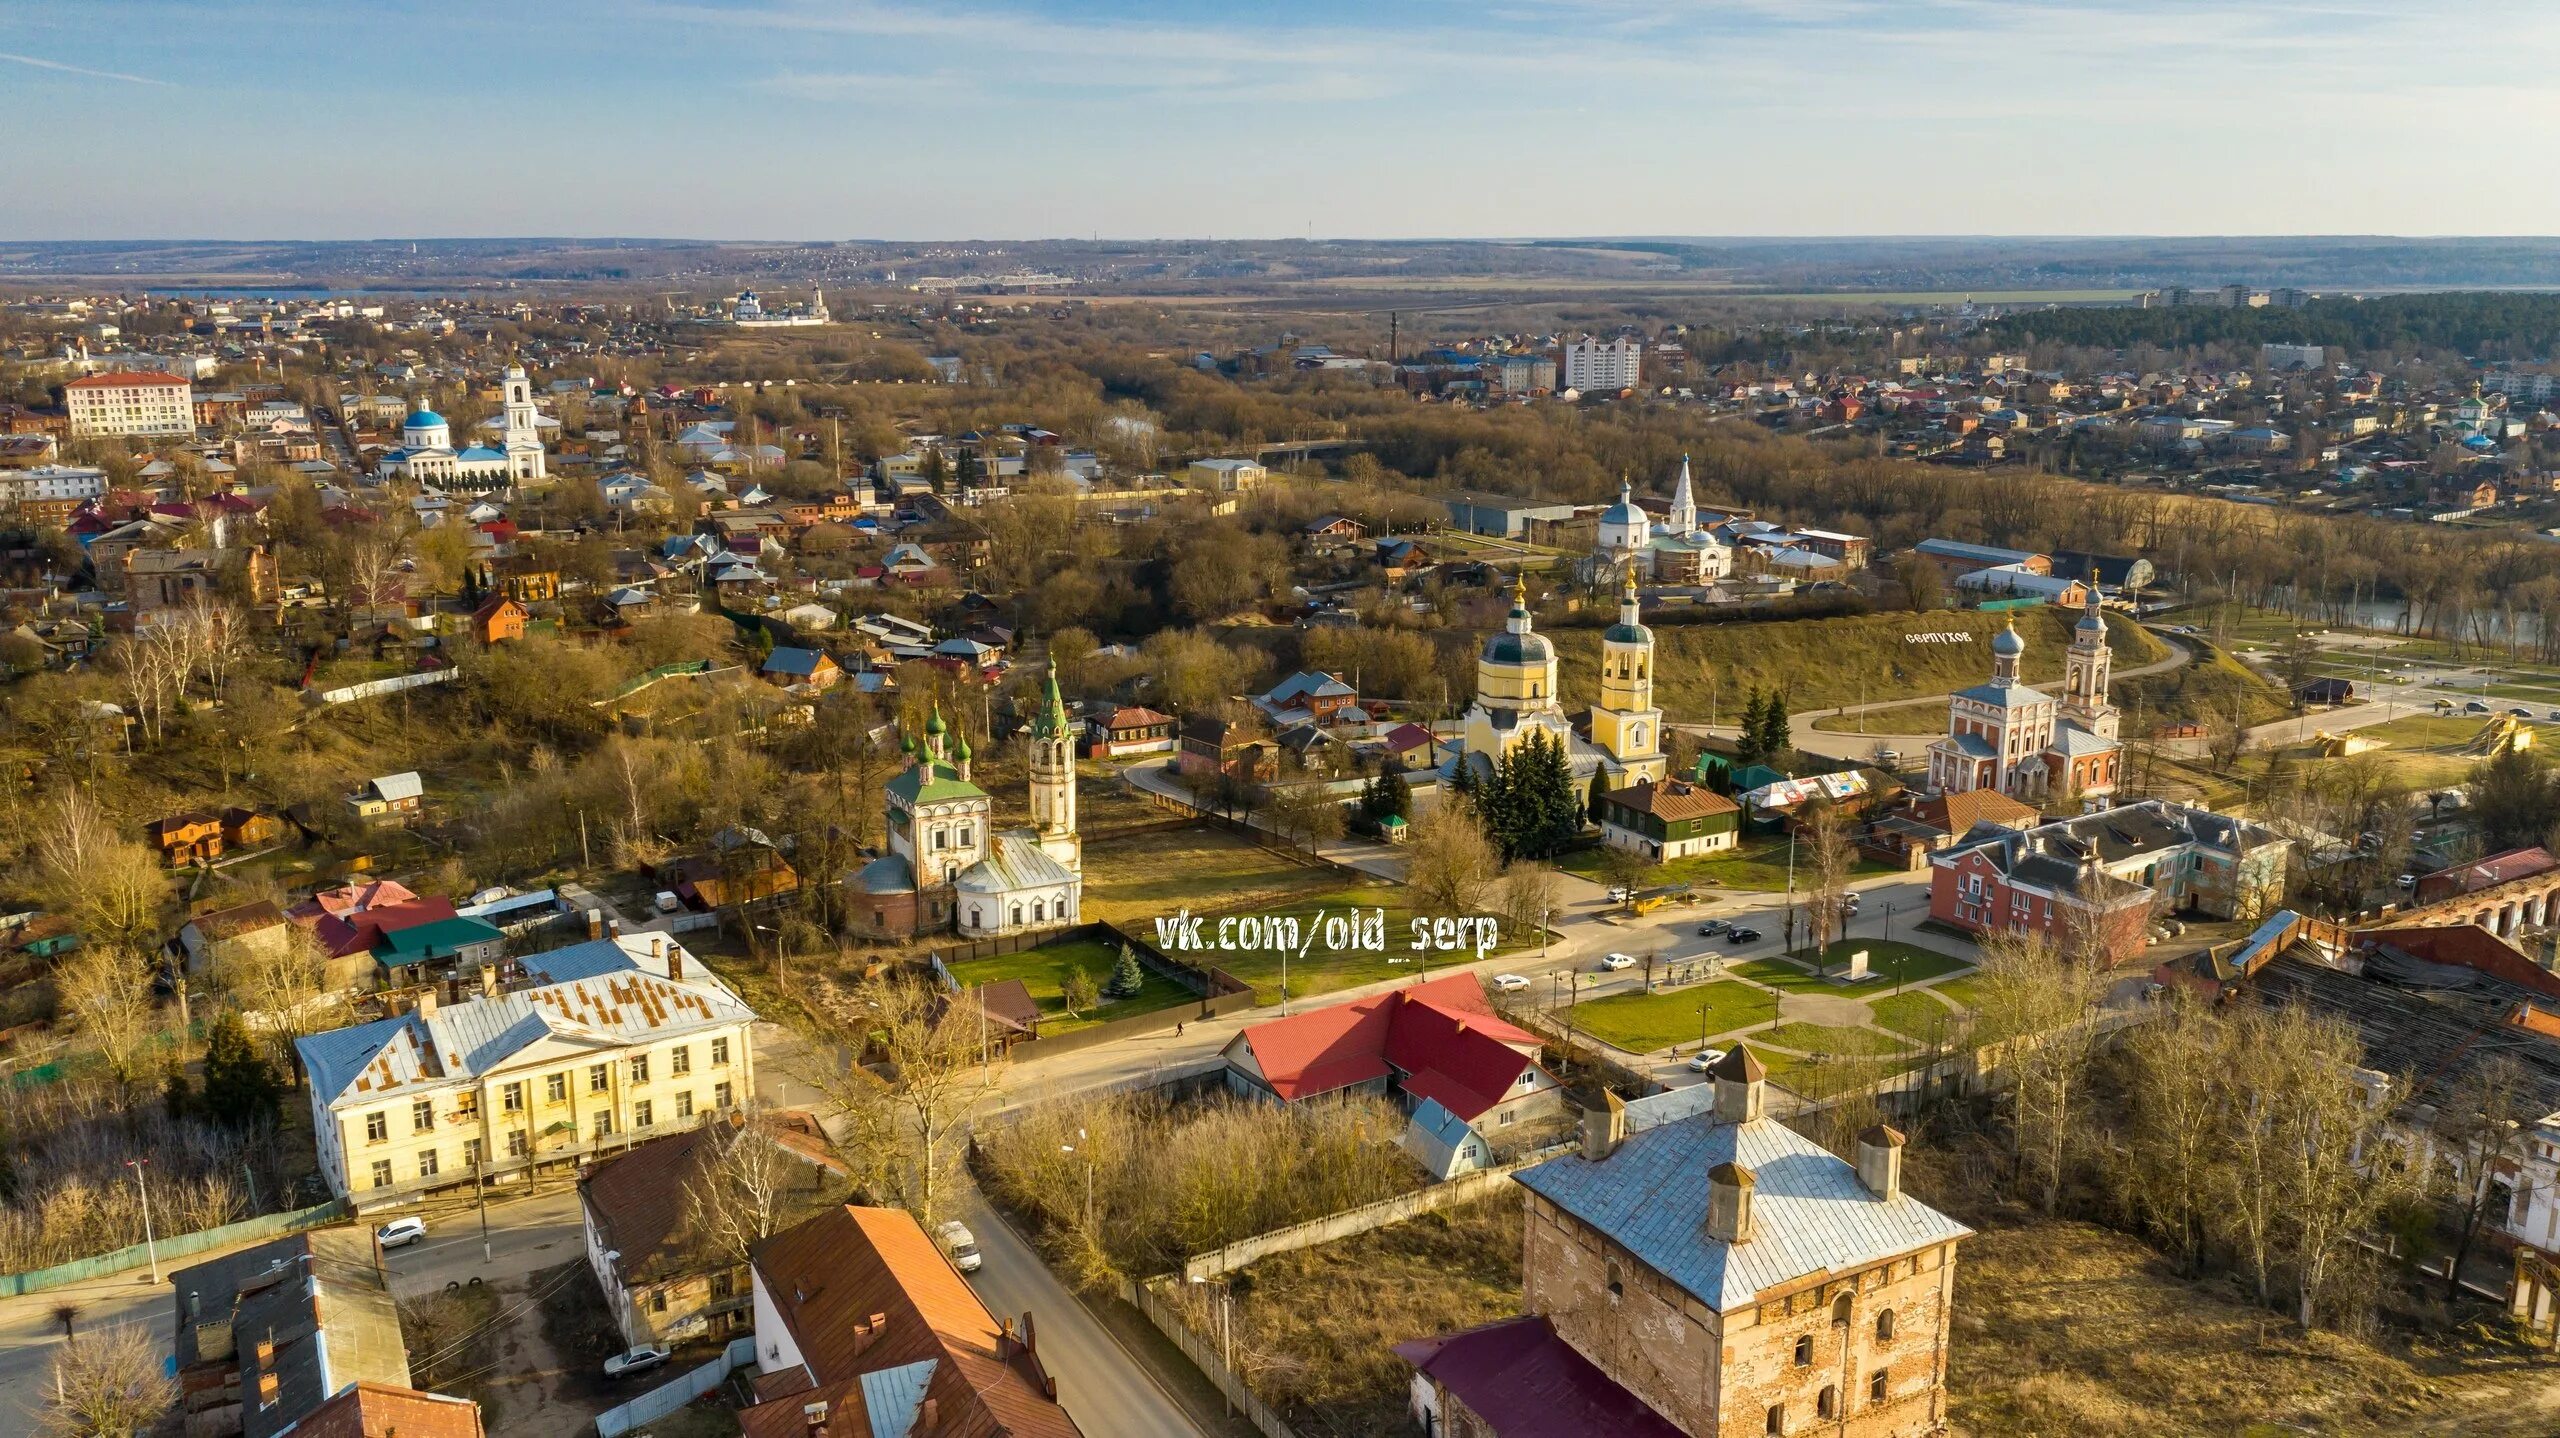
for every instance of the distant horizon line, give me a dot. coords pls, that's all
(1938, 237)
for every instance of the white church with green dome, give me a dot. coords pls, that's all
(947, 869)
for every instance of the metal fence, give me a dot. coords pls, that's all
(667, 1397)
(176, 1245)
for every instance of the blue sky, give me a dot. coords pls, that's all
(826, 119)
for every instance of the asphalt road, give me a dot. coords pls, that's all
(525, 1233)
(1099, 1384)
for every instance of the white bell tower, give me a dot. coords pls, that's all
(523, 431)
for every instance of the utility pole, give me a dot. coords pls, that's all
(150, 1244)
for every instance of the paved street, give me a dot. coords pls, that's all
(1102, 1387)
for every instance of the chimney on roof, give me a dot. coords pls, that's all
(1604, 1127)
(814, 1416)
(427, 1002)
(1729, 1188)
(595, 923)
(1030, 1344)
(1880, 1161)
(613, 927)
(1740, 1081)
(488, 981)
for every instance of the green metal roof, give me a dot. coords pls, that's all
(440, 938)
(932, 784)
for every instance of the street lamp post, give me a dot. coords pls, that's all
(142, 1181)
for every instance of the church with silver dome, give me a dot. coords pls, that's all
(1674, 550)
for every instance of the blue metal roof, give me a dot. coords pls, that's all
(422, 419)
(1810, 1214)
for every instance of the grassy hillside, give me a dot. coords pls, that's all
(2201, 691)
(1818, 663)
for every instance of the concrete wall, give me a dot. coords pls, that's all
(1360, 1220)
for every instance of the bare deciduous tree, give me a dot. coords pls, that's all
(741, 1190)
(107, 990)
(109, 1385)
(905, 1112)
(1449, 863)
(2036, 1007)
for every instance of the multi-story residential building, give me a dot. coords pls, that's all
(1519, 374)
(130, 404)
(51, 484)
(2096, 880)
(1699, 1268)
(2534, 385)
(2292, 357)
(1603, 366)
(598, 1046)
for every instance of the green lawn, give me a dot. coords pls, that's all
(1819, 1075)
(1892, 959)
(1759, 865)
(1917, 1016)
(1784, 974)
(1642, 1023)
(1966, 991)
(1043, 969)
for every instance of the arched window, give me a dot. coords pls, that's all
(1804, 1351)
(1828, 1404)
(1875, 1386)
(1777, 1419)
(1840, 1310)
(1884, 1326)
(1617, 1281)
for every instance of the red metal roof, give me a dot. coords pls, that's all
(1442, 1035)
(122, 379)
(1518, 1375)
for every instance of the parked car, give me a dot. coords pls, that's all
(962, 1245)
(1713, 927)
(1620, 893)
(1741, 936)
(1848, 903)
(2475, 707)
(636, 1360)
(2405, 881)
(1617, 961)
(2520, 712)
(1705, 1059)
(490, 895)
(667, 901)
(1509, 983)
(401, 1232)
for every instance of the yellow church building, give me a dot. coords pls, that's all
(1517, 695)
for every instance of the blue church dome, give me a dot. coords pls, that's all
(423, 419)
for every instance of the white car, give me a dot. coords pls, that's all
(400, 1232)
(962, 1245)
(636, 1360)
(1509, 983)
(1618, 961)
(1705, 1059)
(667, 902)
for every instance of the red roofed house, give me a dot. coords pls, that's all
(1414, 746)
(1437, 1041)
(863, 1326)
(1131, 729)
(1520, 1374)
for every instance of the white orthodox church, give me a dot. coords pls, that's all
(2025, 743)
(1675, 551)
(427, 455)
(1516, 696)
(948, 868)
